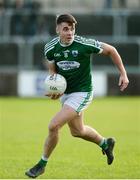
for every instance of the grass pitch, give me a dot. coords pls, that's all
(23, 128)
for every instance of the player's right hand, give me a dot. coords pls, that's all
(54, 96)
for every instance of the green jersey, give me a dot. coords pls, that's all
(73, 61)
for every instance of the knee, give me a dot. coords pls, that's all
(53, 127)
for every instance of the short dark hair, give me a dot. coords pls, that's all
(68, 18)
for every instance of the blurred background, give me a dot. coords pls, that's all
(27, 25)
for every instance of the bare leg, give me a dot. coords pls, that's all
(78, 129)
(62, 117)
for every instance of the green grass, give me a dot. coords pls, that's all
(24, 126)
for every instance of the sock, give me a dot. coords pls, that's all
(43, 161)
(103, 144)
(44, 158)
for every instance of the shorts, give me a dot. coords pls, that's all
(78, 100)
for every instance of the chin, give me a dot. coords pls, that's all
(69, 41)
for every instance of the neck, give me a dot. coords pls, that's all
(62, 43)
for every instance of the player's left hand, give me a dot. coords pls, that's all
(54, 96)
(123, 82)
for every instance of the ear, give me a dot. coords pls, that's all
(57, 31)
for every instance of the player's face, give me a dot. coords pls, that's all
(66, 32)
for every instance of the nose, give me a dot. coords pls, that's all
(70, 32)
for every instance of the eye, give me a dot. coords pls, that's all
(65, 29)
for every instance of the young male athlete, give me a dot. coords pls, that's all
(69, 55)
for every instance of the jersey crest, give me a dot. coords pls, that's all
(74, 53)
(66, 53)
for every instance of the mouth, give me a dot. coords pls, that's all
(69, 38)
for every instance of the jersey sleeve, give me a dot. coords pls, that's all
(48, 53)
(93, 46)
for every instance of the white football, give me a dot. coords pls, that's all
(55, 84)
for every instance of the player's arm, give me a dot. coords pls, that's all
(114, 55)
(50, 66)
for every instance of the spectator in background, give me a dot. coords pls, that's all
(17, 24)
(42, 26)
(2, 11)
(18, 5)
(122, 3)
(109, 4)
(33, 5)
(24, 21)
(26, 5)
